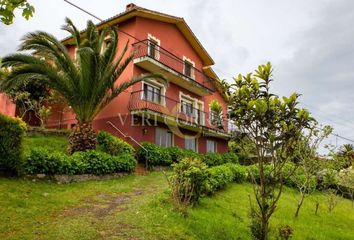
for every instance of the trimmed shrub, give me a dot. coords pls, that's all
(94, 162)
(213, 159)
(39, 131)
(12, 131)
(187, 181)
(100, 163)
(154, 155)
(217, 178)
(177, 154)
(113, 145)
(230, 157)
(253, 173)
(239, 172)
(40, 160)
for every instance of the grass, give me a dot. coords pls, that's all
(138, 207)
(51, 142)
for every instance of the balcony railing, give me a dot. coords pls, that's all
(151, 101)
(147, 48)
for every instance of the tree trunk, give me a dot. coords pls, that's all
(264, 228)
(82, 138)
(299, 204)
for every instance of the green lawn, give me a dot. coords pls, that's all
(138, 207)
(52, 143)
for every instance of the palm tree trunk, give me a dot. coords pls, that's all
(82, 138)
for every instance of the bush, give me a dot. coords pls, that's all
(213, 159)
(239, 172)
(188, 181)
(230, 157)
(39, 131)
(94, 162)
(153, 155)
(217, 178)
(113, 145)
(40, 160)
(177, 154)
(253, 173)
(100, 163)
(11, 136)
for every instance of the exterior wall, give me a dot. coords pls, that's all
(170, 38)
(7, 107)
(145, 132)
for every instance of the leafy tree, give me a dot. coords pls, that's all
(243, 147)
(307, 161)
(87, 82)
(7, 8)
(29, 96)
(346, 182)
(273, 125)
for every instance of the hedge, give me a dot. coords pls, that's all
(39, 131)
(162, 156)
(12, 131)
(218, 177)
(153, 155)
(113, 145)
(40, 160)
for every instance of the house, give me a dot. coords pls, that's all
(176, 113)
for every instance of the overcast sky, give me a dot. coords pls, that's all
(310, 43)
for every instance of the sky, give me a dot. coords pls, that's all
(310, 43)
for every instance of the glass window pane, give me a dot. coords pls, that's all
(211, 146)
(191, 143)
(169, 139)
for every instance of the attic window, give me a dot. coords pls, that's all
(153, 47)
(188, 68)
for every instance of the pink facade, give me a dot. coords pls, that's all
(7, 107)
(155, 111)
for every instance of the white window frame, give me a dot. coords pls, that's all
(185, 59)
(157, 47)
(155, 84)
(166, 132)
(215, 148)
(196, 104)
(187, 137)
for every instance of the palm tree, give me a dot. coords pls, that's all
(87, 83)
(347, 151)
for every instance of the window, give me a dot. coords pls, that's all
(153, 48)
(188, 68)
(187, 106)
(163, 137)
(152, 93)
(211, 146)
(190, 143)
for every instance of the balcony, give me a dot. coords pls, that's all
(154, 58)
(170, 111)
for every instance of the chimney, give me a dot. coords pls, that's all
(129, 7)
